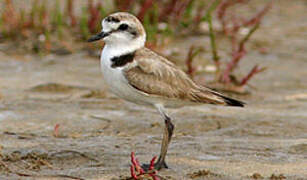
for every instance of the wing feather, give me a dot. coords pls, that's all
(155, 75)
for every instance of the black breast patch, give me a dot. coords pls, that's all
(119, 61)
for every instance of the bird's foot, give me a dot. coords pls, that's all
(157, 166)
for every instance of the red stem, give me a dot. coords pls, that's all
(257, 18)
(124, 5)
(167, 10)
(94, 15)
(56, 130)
(199, 14)
(189, 60)
(136, 164)
(221, 12)
(152, 163)
(133, 175)
(252, 72)
(232, 64)
(70, 9)
(180, 8)
(145, 7)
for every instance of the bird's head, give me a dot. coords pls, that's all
(121, 29)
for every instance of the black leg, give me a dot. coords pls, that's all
(167, 136)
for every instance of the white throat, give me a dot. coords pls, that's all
(121, 48)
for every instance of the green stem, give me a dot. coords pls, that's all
(215, 56)
(246, 38)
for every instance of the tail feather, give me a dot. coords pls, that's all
(206, 95)
(232, 102)
(228, 101)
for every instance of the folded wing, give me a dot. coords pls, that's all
(155, 75)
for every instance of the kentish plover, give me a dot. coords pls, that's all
(139, 75)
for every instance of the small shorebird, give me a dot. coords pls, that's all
(141, 76)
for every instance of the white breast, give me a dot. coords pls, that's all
(116, 81)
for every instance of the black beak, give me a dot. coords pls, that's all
(98, 36)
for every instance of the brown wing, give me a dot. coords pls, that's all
(155, 75)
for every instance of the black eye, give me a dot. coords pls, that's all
(123, 27)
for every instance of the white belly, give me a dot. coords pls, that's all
(119, 85)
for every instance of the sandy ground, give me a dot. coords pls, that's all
(97, 131)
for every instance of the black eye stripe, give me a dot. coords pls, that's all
(112, 19)
(123, 27)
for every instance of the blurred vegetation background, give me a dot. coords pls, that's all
(54, 26)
